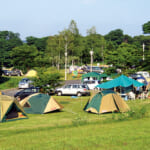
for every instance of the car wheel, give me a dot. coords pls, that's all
(79, 94)
(59, 93)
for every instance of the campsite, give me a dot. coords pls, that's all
(80, 84)
(72, 128)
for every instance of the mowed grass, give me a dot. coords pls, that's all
(9, 82)
(74, 129)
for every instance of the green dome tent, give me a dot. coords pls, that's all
(39, 104)
(10, 109)
(106, 101)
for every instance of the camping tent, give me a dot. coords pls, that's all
(31, 73)
(39, 103)
(121, 81)
(106, 101)
(91, 74)
(10, 109)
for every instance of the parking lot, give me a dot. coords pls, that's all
(12, 92)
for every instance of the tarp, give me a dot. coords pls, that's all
(122, 81)
(39, 104)
(91, 74)
(106, 101)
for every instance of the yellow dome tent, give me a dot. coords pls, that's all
(31, 73)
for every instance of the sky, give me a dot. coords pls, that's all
(41, 18)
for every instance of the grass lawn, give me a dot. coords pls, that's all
(74, 129)
(9, 82)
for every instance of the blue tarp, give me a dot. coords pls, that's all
(122, 81)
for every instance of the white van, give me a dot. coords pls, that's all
(145, 74)
(91, 83)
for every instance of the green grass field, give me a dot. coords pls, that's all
(74, 129)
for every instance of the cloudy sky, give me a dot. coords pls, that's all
(42, 18)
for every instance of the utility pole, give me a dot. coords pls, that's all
(143, 51)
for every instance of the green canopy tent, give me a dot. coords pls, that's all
(10, 109)
(105, 102)
(121, 81)
(39, 104)
(91, 74)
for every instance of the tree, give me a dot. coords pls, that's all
(23, 57)
(73, 28)
(116, 36)
(8, 40)
(124, 57)
(91, 31)
(146, 28)
(47, 81)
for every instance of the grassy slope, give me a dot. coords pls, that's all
(58, 131)
(9, 82)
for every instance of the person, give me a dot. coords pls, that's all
(137, 92)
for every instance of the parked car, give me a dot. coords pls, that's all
(91, 83)
(26, 92)
(12, 72)
(25, 83)
(94, 69)
(73, 89)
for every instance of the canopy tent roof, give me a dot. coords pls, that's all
(94, 74)
(91, 74)
(122, 81)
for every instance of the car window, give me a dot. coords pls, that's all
(27, 90)
(33, 90)
(76, 86)
(67, 86)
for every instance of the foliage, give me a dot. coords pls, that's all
(146, 28)
(8, 40)
(124, 57)
(47, 81)
(23, 57)
(115, 48)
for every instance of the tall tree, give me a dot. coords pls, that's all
(146, 28)
(116, 36)
(124, 57)
(8, 40)
(23, 57)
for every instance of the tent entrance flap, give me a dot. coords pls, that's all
(14, 113)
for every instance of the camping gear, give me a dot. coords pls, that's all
(121, 81)
(39, 104)
(10, 109)
(106, 101)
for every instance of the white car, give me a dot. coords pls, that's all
(73, 89)
(91, 83)
(25, 83)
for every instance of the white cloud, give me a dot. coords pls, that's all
(88, 2)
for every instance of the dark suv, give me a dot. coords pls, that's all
(26, 92)
(12, 72)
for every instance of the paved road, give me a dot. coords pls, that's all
(12, 92)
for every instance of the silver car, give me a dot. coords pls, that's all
(73, 89)
(25, 83)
